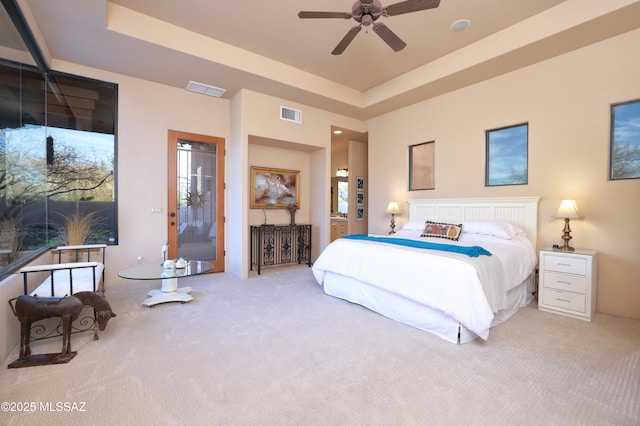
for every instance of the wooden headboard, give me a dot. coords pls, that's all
(520, 211)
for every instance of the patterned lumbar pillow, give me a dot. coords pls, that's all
(449, 231)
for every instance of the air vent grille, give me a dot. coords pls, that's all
(290, 114)
(205, 89)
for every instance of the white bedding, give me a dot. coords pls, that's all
(470, 290)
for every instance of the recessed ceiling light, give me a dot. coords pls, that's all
(205, 89)
(337, 132)
(460, 25)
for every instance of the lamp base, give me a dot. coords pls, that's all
(393, 225)
(566, 237)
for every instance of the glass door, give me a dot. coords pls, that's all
(196, 194)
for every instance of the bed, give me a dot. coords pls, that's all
(454, 295)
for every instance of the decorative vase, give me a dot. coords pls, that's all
(292, 211)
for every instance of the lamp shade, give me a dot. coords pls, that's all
(568, 210)
(393, 208)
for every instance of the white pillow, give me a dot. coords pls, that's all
(414, 225)
(496, 228)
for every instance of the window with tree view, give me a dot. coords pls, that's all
(57, 161)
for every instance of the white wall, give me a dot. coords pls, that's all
(358, 168)
(566, 101)
(260, 120)
(289, 159)
(146, 112)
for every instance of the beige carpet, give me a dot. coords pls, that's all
(275, 350)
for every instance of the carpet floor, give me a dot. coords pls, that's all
(275, 350)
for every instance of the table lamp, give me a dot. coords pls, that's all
(567, 211)
(393, 209)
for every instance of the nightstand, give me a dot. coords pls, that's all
(567, 283)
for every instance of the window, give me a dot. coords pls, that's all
(507, 156)
(625, 141)
(422, 166)
(57, 159)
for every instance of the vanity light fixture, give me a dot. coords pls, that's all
(342, 172)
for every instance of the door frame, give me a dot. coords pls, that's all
(172, 193)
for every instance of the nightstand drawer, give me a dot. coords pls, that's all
(569, 301)
(566, 264)
(573, 283)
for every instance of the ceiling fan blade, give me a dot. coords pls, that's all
(346, 40)
(316, 15)
(389, 36)
(409, 6)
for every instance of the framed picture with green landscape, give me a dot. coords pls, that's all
(625, 141)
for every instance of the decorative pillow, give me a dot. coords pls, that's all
(496, 228)
(449, 231)
(414, 225)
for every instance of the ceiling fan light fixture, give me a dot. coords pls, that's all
(460, 25)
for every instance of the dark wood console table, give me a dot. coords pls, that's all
(279, 244)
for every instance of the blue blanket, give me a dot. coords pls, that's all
(471, 251)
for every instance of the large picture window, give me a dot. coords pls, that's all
(57, 160)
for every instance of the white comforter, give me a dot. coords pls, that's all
(467, 289)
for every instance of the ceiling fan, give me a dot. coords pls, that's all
(367, 12)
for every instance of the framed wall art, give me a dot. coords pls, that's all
(274, 188)
(422, 166)
(359, 214)
(507, 160)
(359, 183)
(359, 198)
(625, 141)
